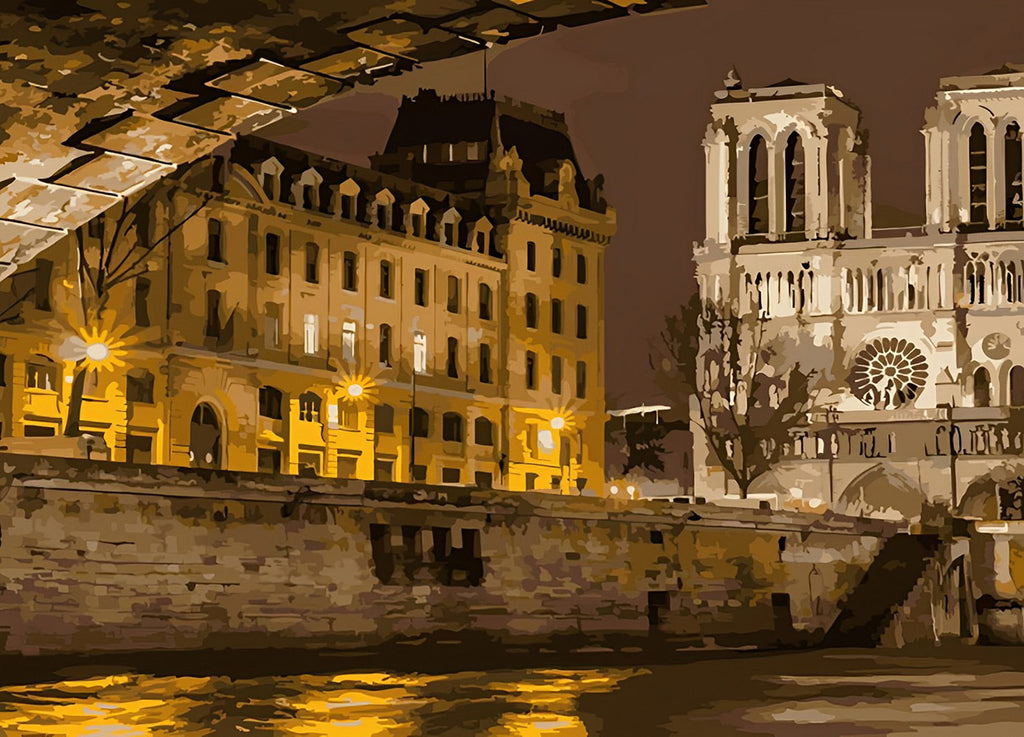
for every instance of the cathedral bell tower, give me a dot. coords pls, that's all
(785, 163)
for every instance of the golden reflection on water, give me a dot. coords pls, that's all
(498, 704)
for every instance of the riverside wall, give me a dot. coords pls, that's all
(99, 556)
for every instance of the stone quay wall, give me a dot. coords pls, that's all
(99, 556)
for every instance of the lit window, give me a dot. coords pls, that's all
(420, 353)
(310, 334)
(348, 341)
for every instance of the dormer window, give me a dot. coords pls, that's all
(269, 175)
(348, 195)
(418, 219)
(306, 190)
(483, 237)
(382, 209)
(450, 227)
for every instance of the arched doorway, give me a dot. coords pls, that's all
(204, 446)
(982, 388)
(1017, 386)
(882, 493)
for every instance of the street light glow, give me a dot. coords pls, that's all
(557, 423)
(355, 390)
(97, 352)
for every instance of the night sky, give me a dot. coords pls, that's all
(636, 92)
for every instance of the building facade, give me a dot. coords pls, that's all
(915, 333)
(436, 319)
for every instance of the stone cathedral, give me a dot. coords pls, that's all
(919, 330)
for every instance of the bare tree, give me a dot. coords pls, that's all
(750, 398)
(112, 257)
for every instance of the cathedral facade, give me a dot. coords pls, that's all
(915, 334)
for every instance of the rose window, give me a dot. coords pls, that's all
(888, 373)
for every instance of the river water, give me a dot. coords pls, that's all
(831, 693)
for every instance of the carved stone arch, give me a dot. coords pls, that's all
(964, 123)
(207, 444)
(884, 493)
(993, 494)
(969, 377)
(242, 179)
(1001, 379)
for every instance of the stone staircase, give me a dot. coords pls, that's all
(895, 584)
(913, 620)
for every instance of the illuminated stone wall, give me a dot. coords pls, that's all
(101, 556)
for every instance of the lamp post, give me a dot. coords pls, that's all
(951, 430)
(412, 426)
(831, 421)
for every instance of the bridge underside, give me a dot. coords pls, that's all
(100, 103)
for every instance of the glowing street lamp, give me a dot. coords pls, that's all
(356, 387)
(557, 423)
(95, 348)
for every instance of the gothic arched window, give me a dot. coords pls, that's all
(758, 186)
(977, 162)
(1017, 386)
(1012, 176)
(795, 188)
(982, 388)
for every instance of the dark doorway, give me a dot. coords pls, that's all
(657, 608)
(204, 438)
